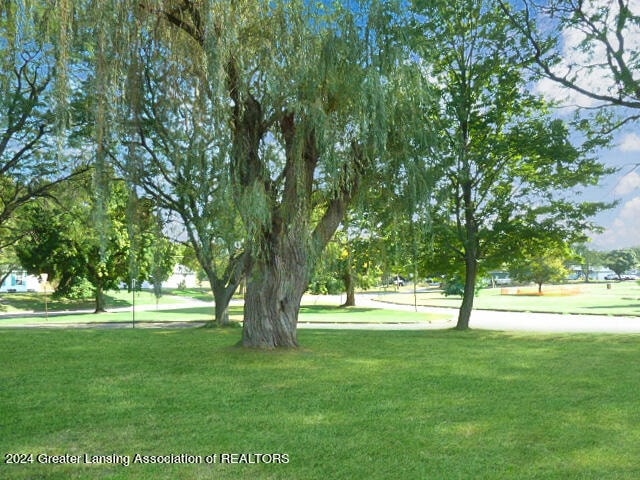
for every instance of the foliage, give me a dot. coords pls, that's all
(505, 166)
(30, 162)
(352, 259)
(620, 261)
(453, 286)
(62, 241)
(78, 288)
(542, 264)
(174, 139)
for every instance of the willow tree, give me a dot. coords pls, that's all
(508, 168)
(179, 157)
(30, 164)
(300, 86)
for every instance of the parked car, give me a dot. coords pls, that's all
(611, 276)
(629, 276)
(398, 281)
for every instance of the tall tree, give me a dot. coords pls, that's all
(303, 95)
(506, 167)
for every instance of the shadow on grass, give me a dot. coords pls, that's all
(332, 309)
(628, 309)
(35, 302)
(202, 294)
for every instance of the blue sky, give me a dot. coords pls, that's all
(622, 224)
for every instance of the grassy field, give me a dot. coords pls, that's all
(170, 309)
(308, 314)
(623, 298)
(35, 302)
(347, 405)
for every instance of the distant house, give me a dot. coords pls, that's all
(500, 278)
(182, 277)
(20, 281)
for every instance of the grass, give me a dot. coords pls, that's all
(308, 314)
(622, 298)
(348, 405)
(333, 314)
(35, 302)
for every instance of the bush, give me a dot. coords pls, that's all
(453, 286)
(78, 288)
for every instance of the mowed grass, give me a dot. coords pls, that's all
(333, 314)
(199, 314)
(35, 301)
(623, 298)
(346, 405)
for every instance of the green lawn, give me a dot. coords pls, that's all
(623, 298)
(308, 314)
(35, 302)
(347, 405)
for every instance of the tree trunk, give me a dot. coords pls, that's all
(222, 296)
(540, 288)
(100, 303)
(350, 287)
(223, 286)
(471, 273)
(274, 290)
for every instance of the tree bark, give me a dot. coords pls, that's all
(349, 283)
(222, 295)
(274, 290)
(471, 273)
(225, 286)
(100, 303)
(471, 248)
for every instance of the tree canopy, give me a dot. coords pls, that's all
(257, 125)
(504, 165)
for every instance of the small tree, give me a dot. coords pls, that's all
(620, 261)
(540, 265)
(61, 240)
(588, 258)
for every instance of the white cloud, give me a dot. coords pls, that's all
(628, 184)
(578, 63)
(630, 143)
(624, 231)
(630, 213)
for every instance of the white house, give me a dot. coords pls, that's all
(20, 281)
